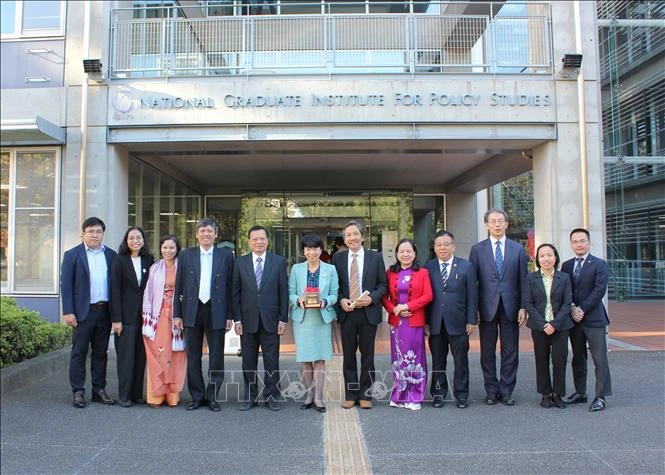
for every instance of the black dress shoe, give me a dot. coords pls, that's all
(138, 400)
(490, 400)
(78, 399)
(194, 405)
(307, 405)
(101, 396)
(320, 409)
(273, 405)
(598, 404)
(246, 406)
(124, 403)
(462, 404)
(438, 401)
(556, 400)
(576, 398)
(508, 400)
(546, 401)
(214, 406)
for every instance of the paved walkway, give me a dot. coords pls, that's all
(42, 433)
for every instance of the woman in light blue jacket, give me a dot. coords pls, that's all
(311, 325)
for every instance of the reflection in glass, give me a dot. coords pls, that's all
(35, 179)
(4, 216)
(34, 250)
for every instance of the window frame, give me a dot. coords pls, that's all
(19, 33)
(10, 286)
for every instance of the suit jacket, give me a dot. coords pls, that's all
(126, 292)
(186, 303)
(589, 289)
(420, 294)
(560, 297)
(75, 280)
(373, 280)
(509, 287)
(270, 303)
(455, 304)
(328, 290)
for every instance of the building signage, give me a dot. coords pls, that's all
(400, 99)
(317, 101)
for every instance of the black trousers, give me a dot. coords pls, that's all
(553, 346)
(269, 344)
(358, 333)
(130, 351)
(596, 338)
(459, 347)
(509, 332)
(94, 332)
(194, 347)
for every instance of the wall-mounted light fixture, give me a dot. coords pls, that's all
(92, 65)
(572, 61)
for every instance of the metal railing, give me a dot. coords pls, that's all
(183, 44)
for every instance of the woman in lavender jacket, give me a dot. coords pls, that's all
(164, 344)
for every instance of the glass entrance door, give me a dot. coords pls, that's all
(288, 216)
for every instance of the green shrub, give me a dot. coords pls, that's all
(23, 333)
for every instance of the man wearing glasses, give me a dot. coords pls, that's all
(452, 317)
(84, 290)
(501, 268)
(589, 276)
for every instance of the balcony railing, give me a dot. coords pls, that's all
(188, 42)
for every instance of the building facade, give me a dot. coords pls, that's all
(295, 115)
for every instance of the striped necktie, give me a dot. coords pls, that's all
(444, 273)
(258, 272)
(355, 278)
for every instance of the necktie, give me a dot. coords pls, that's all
(258, 272)
(578, 267)
(499, 259)
(444, 273)
(204, 283)
(355, 278)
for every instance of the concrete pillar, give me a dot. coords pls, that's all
(464, 218)
(557, 169)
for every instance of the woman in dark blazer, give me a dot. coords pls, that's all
(548, 300)
(409, 291)
(129, 275)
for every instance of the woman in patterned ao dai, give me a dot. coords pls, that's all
(409, 291)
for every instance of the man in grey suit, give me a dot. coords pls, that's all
(359, 270)
(501, 270)
(452, 317)
(589, 275)
(202, 305)
(260, 309)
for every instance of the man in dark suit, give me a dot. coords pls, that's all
(202, 305)
(260, 309)
(85, 292)
(452, 317)
(501, 269)
(589, 275)
(359, 270)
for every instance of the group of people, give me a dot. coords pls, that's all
(160, 312)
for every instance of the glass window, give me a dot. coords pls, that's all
(4, 216)
(41, 15)
(28, 219)
(161, 205)
(8, 17)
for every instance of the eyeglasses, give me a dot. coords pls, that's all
(444, 244)
(132, 238)
(496, 221)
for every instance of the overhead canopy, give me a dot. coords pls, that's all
(37, 131)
